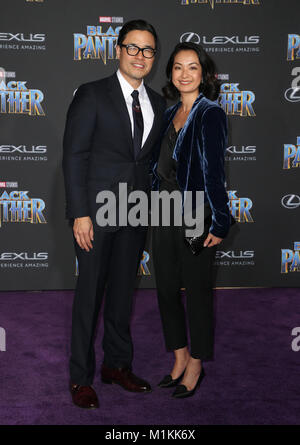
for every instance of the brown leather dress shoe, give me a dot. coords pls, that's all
(125, 378)
(84, 396)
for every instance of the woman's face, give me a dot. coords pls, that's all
(187, 71)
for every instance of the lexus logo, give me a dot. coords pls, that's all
(11, 256)
(20, 37)
(290, 201)
(220, 40)
(292, 94)
(190, 37)
(232, 254)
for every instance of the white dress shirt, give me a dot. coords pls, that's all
(147, 111)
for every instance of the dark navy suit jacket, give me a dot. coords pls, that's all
(98, 145)
(200, 152)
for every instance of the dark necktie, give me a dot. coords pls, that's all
(138, 123)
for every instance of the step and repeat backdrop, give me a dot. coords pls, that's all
(49, 47)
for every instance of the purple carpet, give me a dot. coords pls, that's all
(254, 378)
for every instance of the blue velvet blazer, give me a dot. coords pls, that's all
(200, 152)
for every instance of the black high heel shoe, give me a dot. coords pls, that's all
(181, 391)
(168, 382)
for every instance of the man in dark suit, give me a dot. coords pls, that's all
(111, 130)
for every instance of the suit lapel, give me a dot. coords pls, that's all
(152, 135)
(182, 134)
(118, 101)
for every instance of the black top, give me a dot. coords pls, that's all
(167, 166)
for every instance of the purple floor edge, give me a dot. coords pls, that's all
(253, 379)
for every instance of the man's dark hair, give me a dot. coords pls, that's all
(210, 86)
(136, 25)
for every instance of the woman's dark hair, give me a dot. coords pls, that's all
(210, 86)
(133, 25)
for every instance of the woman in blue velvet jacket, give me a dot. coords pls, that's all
(191, 158)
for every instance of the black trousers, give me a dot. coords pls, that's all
(113, 262)
(176, 267)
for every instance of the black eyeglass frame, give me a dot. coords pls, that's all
(139, 49)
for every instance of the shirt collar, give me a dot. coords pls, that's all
(127, 89)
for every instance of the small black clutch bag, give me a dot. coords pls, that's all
(196, 242)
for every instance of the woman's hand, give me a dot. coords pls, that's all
(83, 232)
(212, 240)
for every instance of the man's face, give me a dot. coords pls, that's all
(135, 68)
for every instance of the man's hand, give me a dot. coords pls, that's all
(212, 240)
(84, 232)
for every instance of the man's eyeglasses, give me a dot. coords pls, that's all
(133, 50)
